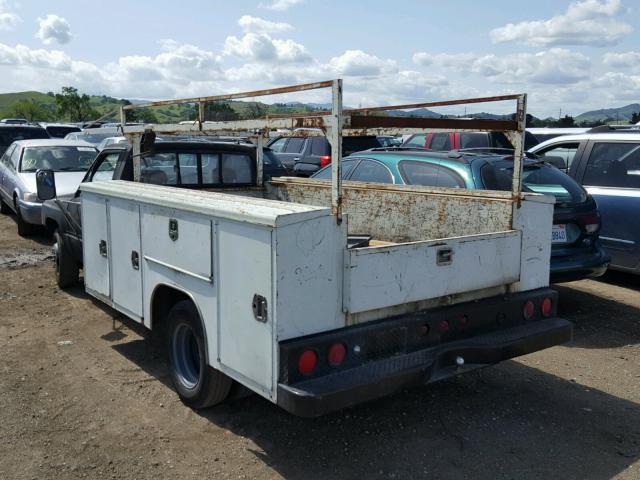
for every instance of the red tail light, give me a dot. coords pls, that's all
(546, 307)
(443, 326)
(591, 222)
(528, 310)
(307, 362)
(337, 354)
(325, 160)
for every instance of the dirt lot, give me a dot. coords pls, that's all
(84, 395)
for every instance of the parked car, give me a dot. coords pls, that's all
(305, 155)
(608, 166)
(15, 121)
(576, 252)
(389, 141)
(110, 141)
(445, 141)
(194, 165)
(10, 133)
(94, 135)
(19, 164)
(547, 133)
(59, 130)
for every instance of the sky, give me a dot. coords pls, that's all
(569, 56)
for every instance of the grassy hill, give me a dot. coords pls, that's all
(619, 114)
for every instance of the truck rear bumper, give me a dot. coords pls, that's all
(318, 396)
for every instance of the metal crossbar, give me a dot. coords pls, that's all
(335, 124)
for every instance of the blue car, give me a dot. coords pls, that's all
(576, 252)
(608, 166)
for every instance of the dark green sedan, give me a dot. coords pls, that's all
(576, 252)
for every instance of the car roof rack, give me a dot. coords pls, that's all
(335, 124)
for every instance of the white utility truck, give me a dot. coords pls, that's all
(272, 285)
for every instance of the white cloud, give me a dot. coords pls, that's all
(53, 28)
(260, 47)
(587, 22)
(622, 60)
(281, 5)
(259, 25)
(8, 20)
(359, 63)
(553, 66)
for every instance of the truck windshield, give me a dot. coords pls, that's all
(58, 159)
(537, 178)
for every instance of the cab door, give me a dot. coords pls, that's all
(610, 171)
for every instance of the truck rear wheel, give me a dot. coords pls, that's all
(198, 384)
(67, 270)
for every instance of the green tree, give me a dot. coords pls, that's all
(566, 121)
(635, 117)
(74, 107)
(219, 112)
(29, 110)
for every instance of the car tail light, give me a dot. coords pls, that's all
(463, 321)
(307, 362)
(325, 160)
(591, 222)
(528, 310)
(546, 306)
(337, 354)
(443, 326)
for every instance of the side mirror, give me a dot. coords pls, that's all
(46, 184)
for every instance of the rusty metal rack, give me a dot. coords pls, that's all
(335, 124)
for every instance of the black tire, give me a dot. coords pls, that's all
(24, 229)
(198, 385)
(4, 208)
(67, 269)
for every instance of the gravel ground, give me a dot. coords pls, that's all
(85, 394)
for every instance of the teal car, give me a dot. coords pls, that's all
(576, 252)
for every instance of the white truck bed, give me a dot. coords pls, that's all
(223, 250)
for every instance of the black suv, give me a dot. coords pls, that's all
(195, 165)
(305, 155)
(9, 133)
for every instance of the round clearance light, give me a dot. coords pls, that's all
(307, 362)
(443, 326)
(528, 310)
(337, 354)
(546, 307)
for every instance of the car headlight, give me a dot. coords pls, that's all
(30, 197)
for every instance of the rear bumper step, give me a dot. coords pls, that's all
(315, 397)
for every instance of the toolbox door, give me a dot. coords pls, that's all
(126, 257)
(95, 245)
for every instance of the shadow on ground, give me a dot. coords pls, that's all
(505, 422)
(599, 322)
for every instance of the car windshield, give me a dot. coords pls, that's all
(537, 178)
(58, 159)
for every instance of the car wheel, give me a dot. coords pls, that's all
(24, 229)
(67, 270)
(4, 208)
(198, 384)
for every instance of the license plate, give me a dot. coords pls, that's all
(559, 234)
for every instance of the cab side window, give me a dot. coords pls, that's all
(613, 164)
(6, 158)
(561, 155)
(15, 159)
(106, 168)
